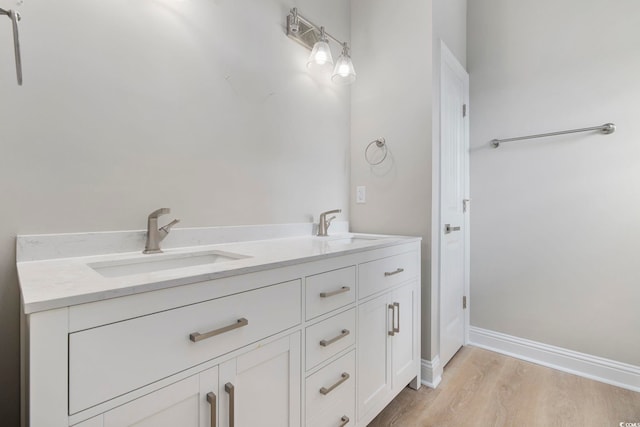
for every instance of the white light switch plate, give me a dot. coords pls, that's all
(361, 194)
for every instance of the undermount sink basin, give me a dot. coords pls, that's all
(159, 262)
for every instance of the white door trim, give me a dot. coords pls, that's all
(447, 59)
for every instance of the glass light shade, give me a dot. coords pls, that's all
(344, 73)
(320, 56)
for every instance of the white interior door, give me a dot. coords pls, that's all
(454, 176)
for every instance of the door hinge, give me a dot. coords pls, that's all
(464, 110)
(464, 302)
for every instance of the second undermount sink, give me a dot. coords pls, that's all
(159, 262)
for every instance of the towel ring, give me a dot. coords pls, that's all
(380, 143)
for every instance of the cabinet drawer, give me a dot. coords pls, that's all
(378, 275)
(326, 405)
(327, 338)
(114, 359)
(329, 291)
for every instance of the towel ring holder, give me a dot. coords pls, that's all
(380, 143)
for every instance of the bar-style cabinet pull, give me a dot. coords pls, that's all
(196, 336)
(345, 420)
(391, 273)
(397, 328)
(336, 292)
(343, 334)
(228, 387)
(392, 307)
(343, 378)
(211, 398)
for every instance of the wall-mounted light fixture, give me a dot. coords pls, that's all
(317, 39)
(15, 17)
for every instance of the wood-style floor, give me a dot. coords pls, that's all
(482, 388)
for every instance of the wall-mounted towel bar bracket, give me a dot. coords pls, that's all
(15, 17)
(606, 129)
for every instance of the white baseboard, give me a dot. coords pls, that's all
(431, 372)
(585, 365)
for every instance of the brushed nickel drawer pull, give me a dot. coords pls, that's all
(345, 420)
(229, 388)
(391, 273)
(343, 334)
(211, 398)
(196, 336)
(343, 378)
(332, 293)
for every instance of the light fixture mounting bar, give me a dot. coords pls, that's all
(14, 16)
(305, 32)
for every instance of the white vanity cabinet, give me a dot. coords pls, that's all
(388, 351)
(322, 341)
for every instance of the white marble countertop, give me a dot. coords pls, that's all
(47, 284)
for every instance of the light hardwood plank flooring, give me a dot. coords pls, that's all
(482, 388)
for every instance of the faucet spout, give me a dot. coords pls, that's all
(159, 212)
(154, 234)
(324, 223)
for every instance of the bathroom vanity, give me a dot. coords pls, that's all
(296, 331)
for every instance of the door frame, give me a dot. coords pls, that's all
(447, 59)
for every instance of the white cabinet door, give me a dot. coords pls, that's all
(209, 400)
(262, 387)
(404, 351)
(374, 379)
(388, 353)
(174, 405)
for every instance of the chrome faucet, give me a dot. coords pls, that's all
(324, 223)
(155, 235)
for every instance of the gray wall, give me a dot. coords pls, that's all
(392, 99)
(450, 25)
(555, 229)
(202, 106)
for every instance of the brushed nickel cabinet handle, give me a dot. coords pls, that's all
(345, 420)
(196, 336)
(392, 307)
(228, 387)
(391, 273)
(397, 329)
(343, 378)
(337, 292)
(343, 334)
(211, 398)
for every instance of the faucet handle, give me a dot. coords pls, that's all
(167, 227)
(328, 221)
